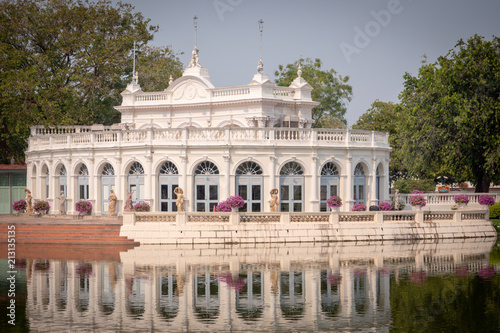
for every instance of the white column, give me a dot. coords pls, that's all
(373, 186)
(148, 196)
(348, 199)
(121, 187)
(314, 203)
(188, 195)
(227, 180)
(272, 182)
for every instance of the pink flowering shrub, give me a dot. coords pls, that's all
(358, 207)
(83, 207)
(223, 207)
(334, 201)
(41, 206)
(418, 200)
(142, 207)
(19, 206)
(486, 200)
(461, 199)
(384, 206)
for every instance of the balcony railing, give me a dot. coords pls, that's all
(84, 137)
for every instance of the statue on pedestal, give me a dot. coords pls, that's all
(112, 203)
(62, 203)
(180, 199)
(29, 203)
(128, 204)
(274, 203)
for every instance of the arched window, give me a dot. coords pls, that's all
(359, 184)
(168, 180)
(206, 182)
(107, 184)
(249, 186)
(330, 177)
(292, 187)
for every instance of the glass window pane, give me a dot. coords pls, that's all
(174, 206)
(284, 207)
(164, 206)
(256, 207)
(87, 192)
(256, 192)
(361, 192)
(284, 193)
(354, 193)
(212, 206)
(244, 208)
(297, 207)
(214, 195)
(200, 207)
(297, 192)
(140, 195)
(133, 190)
(200, 192)
(82, 192)
(322, 193)
(242, 191)
(333, 190)
(4, 180)
(322, 207)
(164, 192)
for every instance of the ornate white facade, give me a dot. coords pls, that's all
(213, 143)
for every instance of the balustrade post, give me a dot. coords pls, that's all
(379, 217)
(373, 138)
(180, 218)
(419, 217)
(457, 216)
(285, 218)
(234, 218)
(334, 217)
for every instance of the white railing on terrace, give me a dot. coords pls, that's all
(236, 91)
(458, 216)
(446, 198)
(207, 136)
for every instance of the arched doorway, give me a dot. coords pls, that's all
(206, 183)
(107, 184)
(291, 187)
(168, 180)
(83, 183)
(330, 177)
(61, 180)
(136, 182)
(359, 184)
(249, 186)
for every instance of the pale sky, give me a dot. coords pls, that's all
(373, 42)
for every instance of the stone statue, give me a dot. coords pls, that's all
(194, 61)
(136, 77)
(396, 200)
(180, 199)
(260, 67)
(128, 204)
(274, 203)
(62, 203)
(29, 203)
(112, 203)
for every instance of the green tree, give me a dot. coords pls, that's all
(385, 117)
(330, 89)
(451, 120)
(63, 62)
(156, 65)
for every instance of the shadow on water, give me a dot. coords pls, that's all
(323, 287)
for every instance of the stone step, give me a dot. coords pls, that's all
(66, 234)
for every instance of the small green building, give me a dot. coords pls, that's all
(12, 185)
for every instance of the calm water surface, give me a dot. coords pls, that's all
(450, 286)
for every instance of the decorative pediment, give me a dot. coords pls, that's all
(189, 90)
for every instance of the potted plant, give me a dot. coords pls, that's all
(83, 207)
(334, 202)
(384, 206)
(223, 207)
(41, 207)
(358, 207)
(142, 207)
(418, 201)
(20, 206)
(486, 200)
(461, 200)
(235, 202)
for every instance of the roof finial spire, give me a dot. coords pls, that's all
(195, 21)
(299, 70)
(260, 66)
(135, 76)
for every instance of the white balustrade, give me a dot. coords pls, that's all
(203, 136)
(151, 97)
(223, 92)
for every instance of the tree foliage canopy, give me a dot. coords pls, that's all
(64, 62)
(330, 89)
(451, 123)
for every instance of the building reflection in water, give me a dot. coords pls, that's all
(321, 288)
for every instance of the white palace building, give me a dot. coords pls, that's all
(212, 143)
